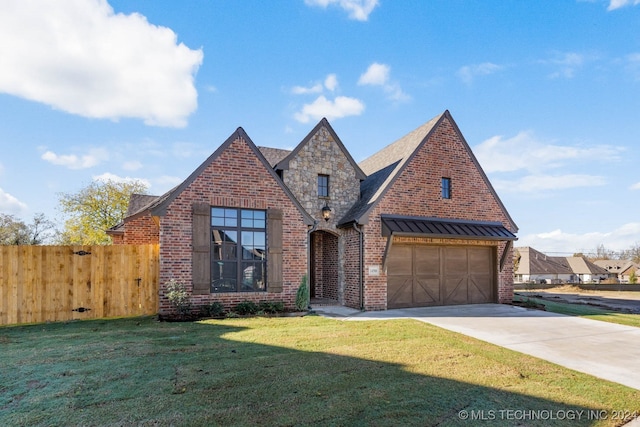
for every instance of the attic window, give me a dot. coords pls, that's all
(446, 188)
(323, 186)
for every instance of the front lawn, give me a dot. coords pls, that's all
(286, 371)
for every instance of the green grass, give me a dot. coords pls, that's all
(282, 372)
(587, 311)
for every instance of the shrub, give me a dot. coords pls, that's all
(246, 307)
(302, 296)
(271, 307)
(178, 297)
(213, 309)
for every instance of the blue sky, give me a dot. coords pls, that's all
(546, 93)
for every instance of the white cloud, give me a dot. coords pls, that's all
(10, 204)
(341, 106)
(542, 183)
(617, 4)
(538, 159)
(376, 75)
(73, 161)
(331, 82)
(525, 152)
(357, 9)
(469, 72)
(380, 75)
(635, 186)
(80, 57)
(108, 176)
(618, 239)
(304, 90)
(567, 63)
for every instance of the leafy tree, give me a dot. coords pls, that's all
(633, 279)
(94, 209)
(14, 231)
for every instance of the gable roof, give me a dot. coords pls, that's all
(618, 266)
(274, 155)
(581, 265)
(159, 207)
(535, 262)
(385, 166)
(284, 163)
(138, 203)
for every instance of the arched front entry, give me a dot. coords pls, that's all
(324, 284)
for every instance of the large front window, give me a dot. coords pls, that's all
(238, 255)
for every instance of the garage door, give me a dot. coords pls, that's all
(420, 275)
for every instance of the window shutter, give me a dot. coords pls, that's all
(201, 258)
(274, 250)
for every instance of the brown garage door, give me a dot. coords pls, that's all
(421, 275)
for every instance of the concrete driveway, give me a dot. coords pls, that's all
(604, 350)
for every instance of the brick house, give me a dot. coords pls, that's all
(416, 224)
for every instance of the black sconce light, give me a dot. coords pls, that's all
(326, 212)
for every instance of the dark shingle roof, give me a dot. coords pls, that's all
(368, 188)
(138, 203)
(274, 155)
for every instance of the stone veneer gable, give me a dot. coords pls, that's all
(322, 155)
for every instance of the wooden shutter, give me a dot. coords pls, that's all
(201, 242)
(274, 250)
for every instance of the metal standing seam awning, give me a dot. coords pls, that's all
(444, 228)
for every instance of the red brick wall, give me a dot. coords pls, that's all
(330, 265)
(318, 279)
(236, 178)
(351, 268)
(141, 230)
(117, 239)
(417, 192)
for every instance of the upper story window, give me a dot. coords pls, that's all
(446, 188)
(323, 185)
(238, 255)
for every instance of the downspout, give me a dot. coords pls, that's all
(311, 230)
(361, 264)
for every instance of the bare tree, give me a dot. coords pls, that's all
(14, 231)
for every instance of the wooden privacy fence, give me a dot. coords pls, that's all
(54, 283)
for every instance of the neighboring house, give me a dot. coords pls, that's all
(621, 269)
(416, 224)
(586, 270)
(534, 266)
